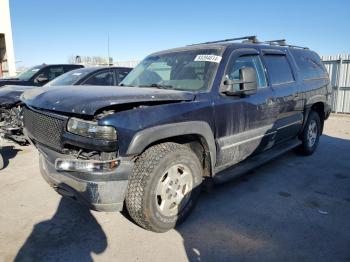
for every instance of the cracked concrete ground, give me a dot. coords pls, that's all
(292, 209)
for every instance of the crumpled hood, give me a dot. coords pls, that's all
(86, 100)
(10, 94)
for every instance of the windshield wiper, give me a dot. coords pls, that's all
(158, 86)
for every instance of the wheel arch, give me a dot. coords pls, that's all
(317, 106)
(192, 133)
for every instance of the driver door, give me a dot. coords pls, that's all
(244, 124)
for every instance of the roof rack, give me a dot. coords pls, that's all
(250, 39)
(281, 42)
(254, 40)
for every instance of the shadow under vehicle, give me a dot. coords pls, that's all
(178, 120)
(11, 123)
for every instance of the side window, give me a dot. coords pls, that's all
(121, 74)
(104, 78)
(52, 72)
(279, 69)
(247, 61)
(309, 64)
(70, 68)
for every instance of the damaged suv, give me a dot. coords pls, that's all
(185, 116)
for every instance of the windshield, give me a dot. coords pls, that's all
(26, 75)
(185, 70)
(69, 78)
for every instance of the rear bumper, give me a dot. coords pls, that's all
(104, 194)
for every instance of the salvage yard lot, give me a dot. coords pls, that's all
(294, 209)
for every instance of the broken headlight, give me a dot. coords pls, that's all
(91, 129)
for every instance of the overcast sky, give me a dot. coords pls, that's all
(51, 31)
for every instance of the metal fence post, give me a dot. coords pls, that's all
(339, 75)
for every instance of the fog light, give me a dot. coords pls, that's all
(85, 165)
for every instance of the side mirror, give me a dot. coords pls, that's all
(247, 84)
(41, 79)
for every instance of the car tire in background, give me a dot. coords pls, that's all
(164, 186)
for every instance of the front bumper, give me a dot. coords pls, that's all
(101, 192)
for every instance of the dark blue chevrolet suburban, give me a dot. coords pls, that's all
(185, 116)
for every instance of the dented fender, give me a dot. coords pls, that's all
(144, 138)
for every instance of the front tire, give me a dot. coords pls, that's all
(164, 186)
(310, 135)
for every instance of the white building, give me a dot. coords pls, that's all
(7, 56)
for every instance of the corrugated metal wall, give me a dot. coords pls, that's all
(338, 68)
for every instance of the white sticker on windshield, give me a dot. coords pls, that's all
(76, 74)
(35, 70)
(208, 58)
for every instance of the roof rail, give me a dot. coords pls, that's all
(250, 39)
(281, 42)
(254, 40)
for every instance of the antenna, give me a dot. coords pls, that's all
(108, 49)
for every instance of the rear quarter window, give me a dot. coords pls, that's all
(279, 69)
(309, 64)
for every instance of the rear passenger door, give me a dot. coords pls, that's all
(283, 82)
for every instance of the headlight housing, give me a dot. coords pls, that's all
(91, 129)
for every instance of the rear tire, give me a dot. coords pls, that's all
(310, 135)
(164, 186)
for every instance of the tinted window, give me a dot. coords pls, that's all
(309, 64)
(247, 61)
(279, 69)
(104, 78)
(69, 78)
(68, 68)
(122, 73)
(52, 72)
(26, 75)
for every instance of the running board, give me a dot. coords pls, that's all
(255, 161)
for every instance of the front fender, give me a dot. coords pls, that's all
(144, 138)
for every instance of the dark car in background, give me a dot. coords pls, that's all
(11, 106)
(39, 75)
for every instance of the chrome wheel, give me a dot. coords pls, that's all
(312, 133)
(174, 190)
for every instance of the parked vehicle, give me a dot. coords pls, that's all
(202, 113)
(11, 106)
(38, 75)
